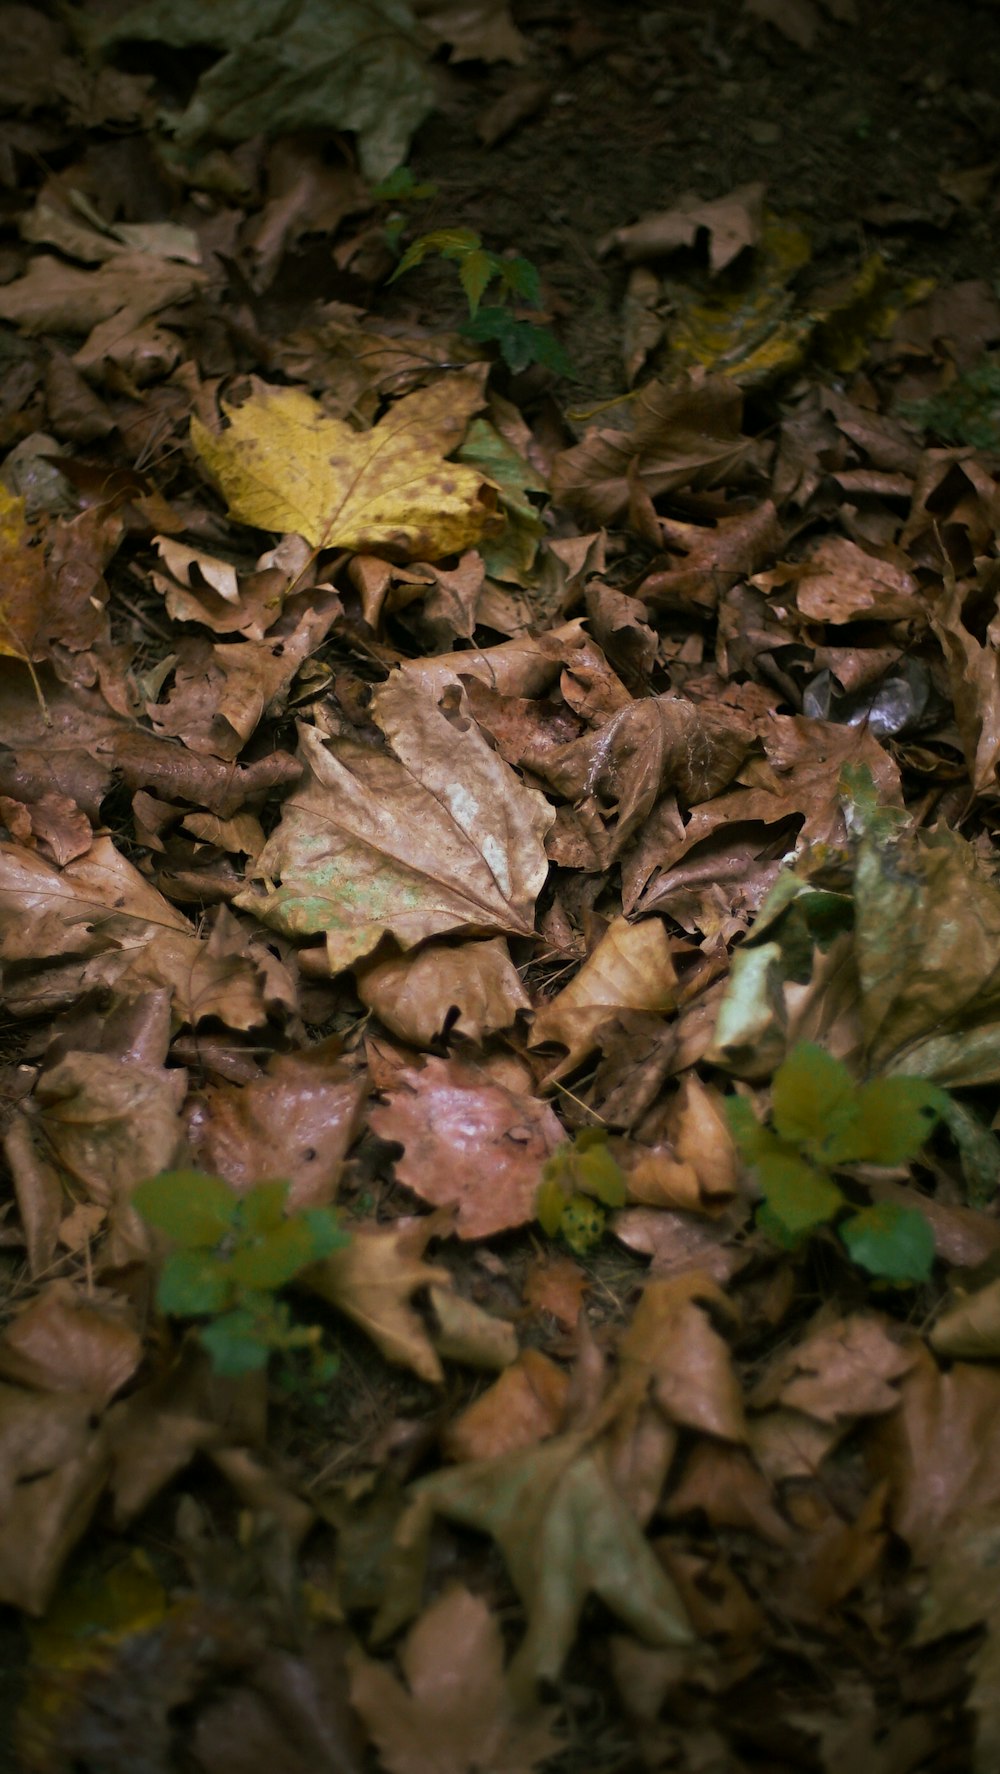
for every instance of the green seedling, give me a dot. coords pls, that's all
(579, 1181)
(823, 1123)
(230, 1256)
(519, 341)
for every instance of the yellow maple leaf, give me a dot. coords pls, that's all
(283, 464)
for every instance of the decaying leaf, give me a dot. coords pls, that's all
(458, 1715)
(443, 836)
(372, 1280)
(469, 1143)
(564, 1532)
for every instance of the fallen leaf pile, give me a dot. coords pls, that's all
(398, 784)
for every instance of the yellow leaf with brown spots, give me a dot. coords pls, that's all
(284, 464)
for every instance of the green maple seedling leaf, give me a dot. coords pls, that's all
(193, 1210)
(892, 1242)
(282, 1253)
(235, 1344)
(263, 1207)
(895, 1117)
(475, 272)
(797, 1196)
(194, 1283)
(813, 1096)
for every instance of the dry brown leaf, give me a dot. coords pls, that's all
(699, 1169)
(458, 1716)
(372, 1280)
(725, 1485)
(437, 837)
(732, 223)
(55, 297)
(468, 1142)
(525, 1405)
(679, 435)
(53, 1467)
(556, 1285)
(940, 1450)
(840, 582)
(632, 968)
(678, 1243)
(472, 989)
(65, 1342)
(971, 1326)
(672, 1349)
(844, 1369)
(296, 1122)
(469, 1334)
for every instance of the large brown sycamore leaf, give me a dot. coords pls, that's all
(436, 837)
(458, 1717)
(565, 1533)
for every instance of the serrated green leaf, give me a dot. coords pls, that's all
(324, 1231)
(263, 1208)
(814, 1096)
(193, 1283)
(895, 1243)
(235, 1345)
(597, 1173)
(194, 1210)
(521, 277)
(895, 1117)
(753, 1139)
(798, 1195)
(518, 341)
(273, 1260)
(475, 272)
(549, 1202)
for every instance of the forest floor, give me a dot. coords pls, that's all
(546, 818)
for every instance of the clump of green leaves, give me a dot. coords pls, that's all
(230, 1256)
(579, 1181)
(822, 1124)
(519, 341)
(966, 412)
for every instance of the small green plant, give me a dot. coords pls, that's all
(578, 1182)
(230, 1256)
(966, 412)
(823, 1124)
(519, 341)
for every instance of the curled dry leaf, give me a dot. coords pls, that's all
(469, 1142)
(283, 464)
(53, 1467)
(459, 1715)
(471, 989)
(65, 1342)
(844, 1369)
(971, 1326)
(372, 1280)
(700, 1169)
(468, 1333)
(940, 1450)
(524, 1406)
(632, 968)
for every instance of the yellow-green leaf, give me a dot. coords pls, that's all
(284, 465)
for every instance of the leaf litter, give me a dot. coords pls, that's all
(530, 833)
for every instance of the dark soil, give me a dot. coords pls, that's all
(852, 136)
